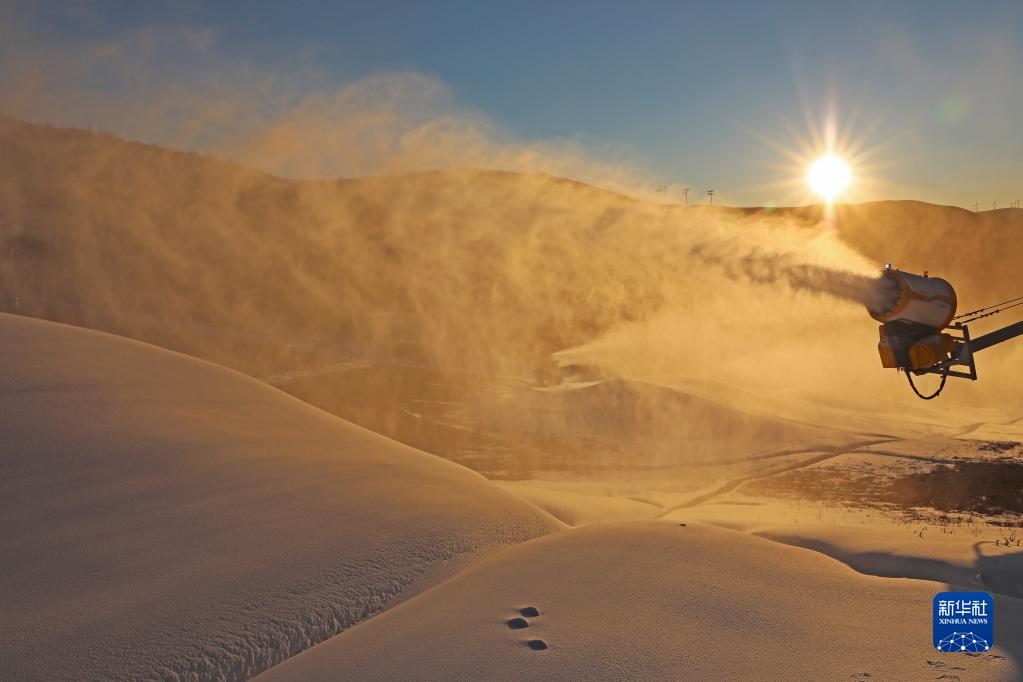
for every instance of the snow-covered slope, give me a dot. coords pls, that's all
(653, 600)
(164, 517)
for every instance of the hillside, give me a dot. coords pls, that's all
(261, 273)
(428, 306)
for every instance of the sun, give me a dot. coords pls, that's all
(828, 176)
(826, 161)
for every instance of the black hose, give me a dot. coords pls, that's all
(944, 377)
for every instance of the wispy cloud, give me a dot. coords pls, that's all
(173, 85)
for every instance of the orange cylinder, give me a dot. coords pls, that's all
(925, 300)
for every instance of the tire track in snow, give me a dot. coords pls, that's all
(734, 483)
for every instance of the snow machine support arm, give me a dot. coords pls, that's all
(966, 347)
(996, 337)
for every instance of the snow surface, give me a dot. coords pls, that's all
(872, 543)
(163, 517)
(577, 509)
(656, 600)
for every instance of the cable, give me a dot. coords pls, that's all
(993, 312)
(944, 377)
(980, 310)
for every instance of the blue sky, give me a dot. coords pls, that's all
(690, 93)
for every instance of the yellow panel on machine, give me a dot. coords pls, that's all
(930, 351)
(884, 347)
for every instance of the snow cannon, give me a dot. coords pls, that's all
(921, 333)
(920, 307)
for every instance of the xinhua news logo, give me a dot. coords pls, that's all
(964, 621)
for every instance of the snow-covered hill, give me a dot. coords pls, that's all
(162, 517)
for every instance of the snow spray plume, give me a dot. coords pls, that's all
(760, 267)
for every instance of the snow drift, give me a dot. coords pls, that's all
(164, 517)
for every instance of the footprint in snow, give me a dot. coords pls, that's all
(520, 623)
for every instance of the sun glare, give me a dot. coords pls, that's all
(824, 160)
(828, 176)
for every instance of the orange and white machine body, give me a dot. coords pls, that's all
(911, 336)
(921, 333)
